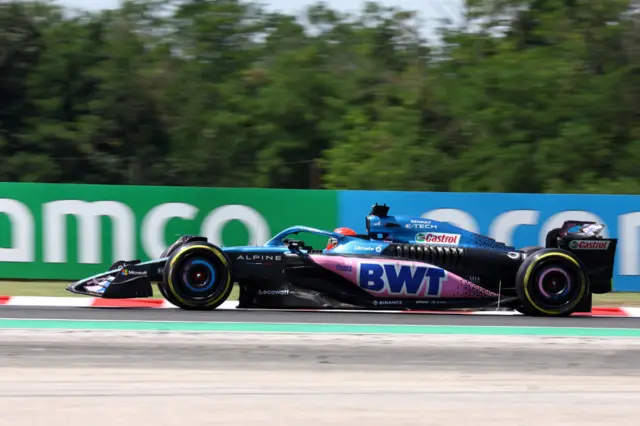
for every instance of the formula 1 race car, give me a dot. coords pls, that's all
(400, 263)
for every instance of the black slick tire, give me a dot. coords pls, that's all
(197, 276)
(528, 251)
(166, 253)
(551, 282)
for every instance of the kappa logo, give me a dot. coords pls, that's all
(438, 238)
(589, 245)
(394, 279)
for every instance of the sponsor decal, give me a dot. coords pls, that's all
(387, 302)
(474, 279)
(420, 224)
(130, 272)
(394, 279)
(377, 249)
(438, 238)
(431, 302)
(273, 292)
(589, 245)
(514, 255)
(344, 268)
(260, 257)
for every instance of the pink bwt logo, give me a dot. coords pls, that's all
(393, 279)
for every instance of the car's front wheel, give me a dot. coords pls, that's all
(197, 276)
(551, 282)
(168, 252)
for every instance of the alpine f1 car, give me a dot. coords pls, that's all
(401, 262)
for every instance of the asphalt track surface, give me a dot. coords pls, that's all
(102, 378)
(134, 314)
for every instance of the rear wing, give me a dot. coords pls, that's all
(596, 252)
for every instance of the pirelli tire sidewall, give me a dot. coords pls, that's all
(534, 278)
(168, 252)
(176, 283)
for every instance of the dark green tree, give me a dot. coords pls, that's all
(523, 96)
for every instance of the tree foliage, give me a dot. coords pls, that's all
(523, 96)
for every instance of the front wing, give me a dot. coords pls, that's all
(124, 280)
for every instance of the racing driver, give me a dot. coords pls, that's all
(344, 231)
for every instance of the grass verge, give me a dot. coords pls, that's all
(57, 288)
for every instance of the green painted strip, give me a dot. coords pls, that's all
(249, 327)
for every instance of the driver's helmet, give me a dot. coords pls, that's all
(344, 231)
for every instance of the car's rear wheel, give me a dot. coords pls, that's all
(197, 276)
(551, 282)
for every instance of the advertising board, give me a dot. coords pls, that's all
(50, 231)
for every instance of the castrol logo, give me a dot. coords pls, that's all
(589, 245)
(438, 238)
